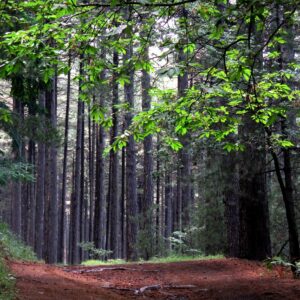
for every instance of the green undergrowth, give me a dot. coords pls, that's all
(7, 281)
(167, 259)
(11, 247)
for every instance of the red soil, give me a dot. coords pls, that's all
(211, 279)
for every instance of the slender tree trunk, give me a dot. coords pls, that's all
(131, 181)
(91, 179)
(51, 203)
(114, 223)
(53, 213)
(18, 152)
(168, 208)
(40, 186)
(76, 199)
(148, 190)
(62, 237)
(31, 195)
(123, 203)
(83, 198)
(100, 233)
(158, 195)
(184, 154)
(287, 56)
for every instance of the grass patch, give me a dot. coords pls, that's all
(179, 258)
(94, 262)
(168, 259)
(12, 247)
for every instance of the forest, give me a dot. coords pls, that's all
(139, 130)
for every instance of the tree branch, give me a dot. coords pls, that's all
(158, 4)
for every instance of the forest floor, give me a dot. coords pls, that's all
(206, 279)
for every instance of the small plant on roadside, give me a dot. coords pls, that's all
(181, 242)
(13, 247)
(7, 282)
(10, 247)
(178, 241)
(280, 265)
(276, 261)
(93, 252)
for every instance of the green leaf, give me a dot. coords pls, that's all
(173, 143)
(189, 48)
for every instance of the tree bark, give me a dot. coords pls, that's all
(131, 181)
(76, 199)
(40, 186)
(147, 201)
(113, 198)
(100, 233)
(62, 236)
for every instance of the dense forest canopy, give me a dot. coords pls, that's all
(139, 128)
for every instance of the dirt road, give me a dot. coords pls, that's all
(210, 279)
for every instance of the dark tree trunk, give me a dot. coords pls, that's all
(76, 199)
(17, 91)
(184, 154)
(290, 208)
(147, 201)
(40, 185)
(286, 187)
(53, 193)
(287, 56)
(62, 237)
(83, 198)
(158, 196)
(113, 196)
(131, 181)
(100, 206)
(254, 241)
(91, 179)
(123, 202)
(168, 208)
(231, 202)
(31, 195)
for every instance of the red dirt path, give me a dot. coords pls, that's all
(210, 279)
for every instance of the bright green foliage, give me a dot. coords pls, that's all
(229, 89)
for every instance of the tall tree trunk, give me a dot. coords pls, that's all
(62, 237)
(168, 208)
(131, 181)
(229, 164)
(31, 186)
(113, 197)
(40, 185)
(254, 241)
(91, 179)
(287, 56)
(53, 212)
(100, 210)
(76, 199)
(17, 91)
(99, 213)
(123, 203)
(83, 198)
(147, 201)
(184, 154)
